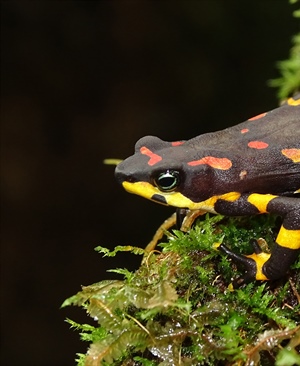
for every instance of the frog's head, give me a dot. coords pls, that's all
(159, 171)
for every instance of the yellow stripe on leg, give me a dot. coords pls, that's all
(260, 201)
(260, 259)
(293, 102)
(288, 238)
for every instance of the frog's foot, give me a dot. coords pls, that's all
(253, 264)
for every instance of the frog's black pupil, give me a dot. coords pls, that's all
(167, 181)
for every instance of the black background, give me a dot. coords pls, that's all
(82, 81)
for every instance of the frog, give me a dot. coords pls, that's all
(247, 169)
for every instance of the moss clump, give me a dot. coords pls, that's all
(176, 309)
(289, 81)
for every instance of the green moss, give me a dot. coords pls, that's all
(177, 309)
(289, 81)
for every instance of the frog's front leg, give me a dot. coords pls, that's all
(182, 218)
(259, 265)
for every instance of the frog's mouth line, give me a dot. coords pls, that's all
(148, 191)
(152, 193)
(176, 199)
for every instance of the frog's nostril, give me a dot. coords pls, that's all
(130, 179)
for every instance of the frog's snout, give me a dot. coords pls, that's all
(121, 176)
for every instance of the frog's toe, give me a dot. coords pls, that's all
(253, 264)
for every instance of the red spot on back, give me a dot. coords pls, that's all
(258, 145)
(177, 143)
(154, 158)
(244, 130)
(257, 117)
(217, 163)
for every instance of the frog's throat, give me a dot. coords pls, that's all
(176, 199)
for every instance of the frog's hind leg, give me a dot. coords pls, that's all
(287, 244)
(263, 266)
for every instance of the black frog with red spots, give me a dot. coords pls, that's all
(250, 168)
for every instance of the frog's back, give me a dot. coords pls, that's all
(277, 127)
(262, 150)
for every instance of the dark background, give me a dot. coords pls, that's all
(82, 81)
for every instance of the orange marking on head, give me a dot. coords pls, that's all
(217, 163)
(177, 143)
(154, 158)
(293, 154)
(258, 145)
(257, 117)
(244, 130)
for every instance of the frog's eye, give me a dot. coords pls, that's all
(167, 181)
